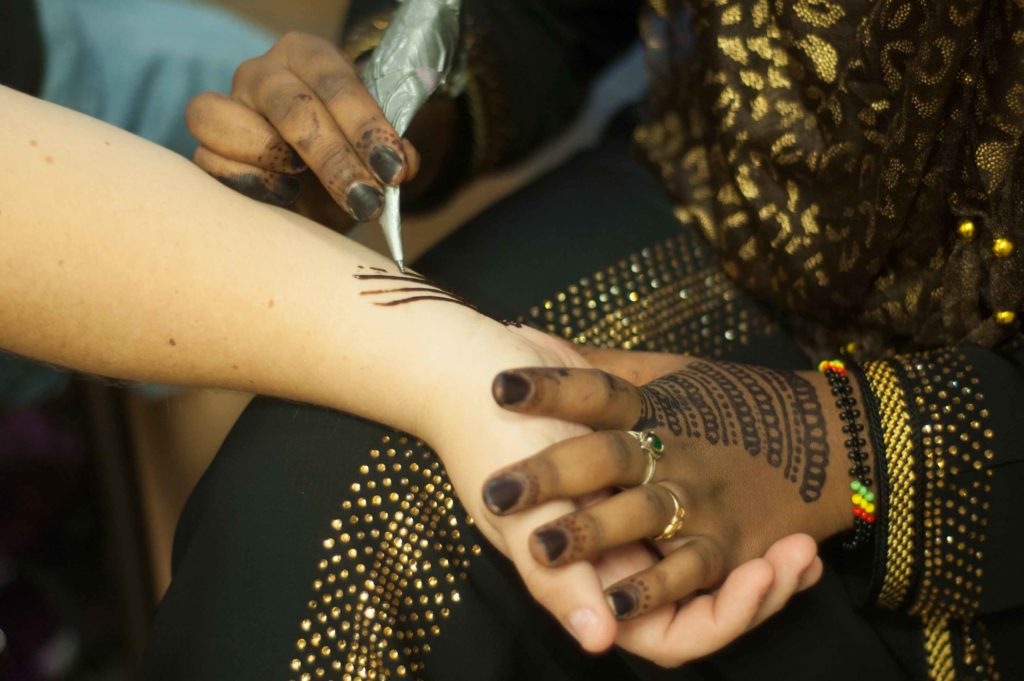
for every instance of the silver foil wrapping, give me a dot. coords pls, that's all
(413, 59)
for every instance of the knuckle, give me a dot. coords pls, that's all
(545, 471)
(196, 111)
(339, 86)
(708, 558)
(303, 46)
(656, 501)
(246, 73)
(286, 102)
(294, 38)
(337, 158)
(590, 531)
(619, 452)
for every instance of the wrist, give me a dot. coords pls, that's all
(842, 432)
(462, 394)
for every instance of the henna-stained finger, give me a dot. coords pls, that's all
(256, 183)
(586, 396)
(412, 160)
(236, 132)
(304, 122)
(334, 80)
(696, 565)
(636, 367)
(632, 515)
(704, 623)
(572, 468)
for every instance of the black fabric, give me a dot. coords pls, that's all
(21, 46)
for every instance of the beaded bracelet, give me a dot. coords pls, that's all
(863, 498)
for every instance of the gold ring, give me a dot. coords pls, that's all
(678, 516)
(653, 447)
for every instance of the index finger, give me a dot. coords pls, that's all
(334, 80)
(589, 397)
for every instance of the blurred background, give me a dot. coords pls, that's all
(94, 474)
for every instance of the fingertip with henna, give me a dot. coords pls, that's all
(548, 545)
(386, 164)
(364, 202)
(504, 492)
(511, 388)
(622, 601)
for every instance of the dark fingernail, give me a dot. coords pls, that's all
(386, 163)
(364, 201)
(502, 493)
(296, 161)
(285, 192)
(510, 388)
(288, 189)
(622, 602)
(553, 541)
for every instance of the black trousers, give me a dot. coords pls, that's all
(319, 545)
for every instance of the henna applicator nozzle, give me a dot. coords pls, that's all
(413, 59)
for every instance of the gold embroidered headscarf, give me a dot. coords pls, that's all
(856, 162)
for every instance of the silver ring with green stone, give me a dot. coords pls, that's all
(653, 447)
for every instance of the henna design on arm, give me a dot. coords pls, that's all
(425, 289)
(776, 413)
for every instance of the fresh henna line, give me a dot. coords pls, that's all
(413, 299)
(441, 295)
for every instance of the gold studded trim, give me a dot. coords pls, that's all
(938, 648)
(898, 442)
(670, 297)
(390, 571)
(954, 450)
(952, 459)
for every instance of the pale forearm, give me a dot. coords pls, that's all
(120, 259)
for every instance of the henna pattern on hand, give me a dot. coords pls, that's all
(425, 289)
(776, 413)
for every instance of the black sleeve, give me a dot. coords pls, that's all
(950, 471)
(21, 46)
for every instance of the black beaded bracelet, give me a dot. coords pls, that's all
(863, 498)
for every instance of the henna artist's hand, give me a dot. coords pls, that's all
(302, 104)
(755, 458)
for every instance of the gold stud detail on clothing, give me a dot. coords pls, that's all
(1006, 317)
(667, 298)
(966, 230)
(1002, 248)
(900, 511)
(955, 452)
(394, 561)
(951, 478)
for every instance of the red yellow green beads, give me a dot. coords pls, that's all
(863, 501)
(835, 365)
